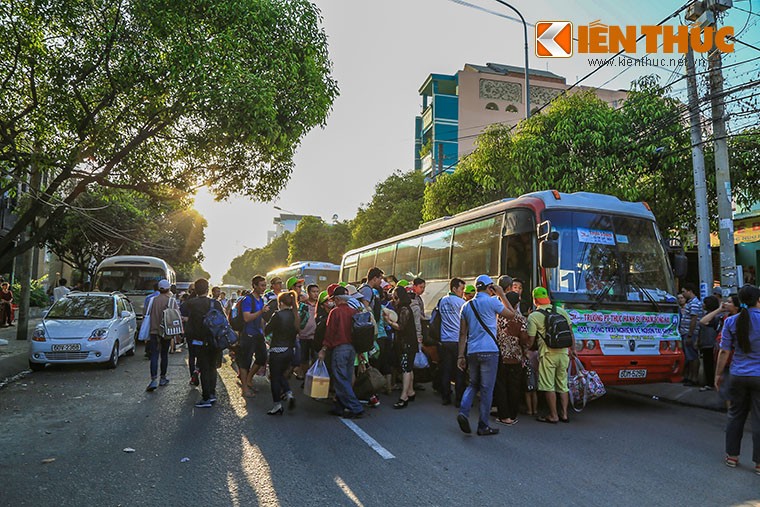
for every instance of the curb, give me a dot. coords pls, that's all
(715, 406)
(12, 366)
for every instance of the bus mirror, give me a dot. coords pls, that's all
(544, 228)
(680, 265)
(549, 254)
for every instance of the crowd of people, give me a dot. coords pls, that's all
(484, 341)
(483, 344)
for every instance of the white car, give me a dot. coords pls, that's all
(92, 327)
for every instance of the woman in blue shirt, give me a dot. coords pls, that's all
(741, 333)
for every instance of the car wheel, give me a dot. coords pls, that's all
(113, 361)
(36, 366)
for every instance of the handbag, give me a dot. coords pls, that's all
(368, 382)
(583, 386)
(144, 334)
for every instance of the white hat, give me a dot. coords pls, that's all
(164, 284)
(354, 292)
(390, 315)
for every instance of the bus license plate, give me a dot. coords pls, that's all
(68, 347)
(632, 374)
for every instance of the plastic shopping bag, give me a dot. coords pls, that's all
(420, 359)
(317, 384)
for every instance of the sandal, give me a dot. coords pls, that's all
(732, 461)
(545, 420)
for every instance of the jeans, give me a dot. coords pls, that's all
(206, 360)
(448, 366)
(483, 367)
(192, 362)
(156, 346)
(745, 397)
(343, 357)
(279, 363)
(508, 389)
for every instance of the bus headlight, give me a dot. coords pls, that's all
(578, 345)
(590, 344)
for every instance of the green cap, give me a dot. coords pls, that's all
(403, 283)
(342, 284)
(323, 297)
(292, 281)
(469, 289)
(541, 296)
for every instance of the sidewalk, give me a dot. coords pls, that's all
(13, 357)
(676, 393)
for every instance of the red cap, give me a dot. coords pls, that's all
(331, 288)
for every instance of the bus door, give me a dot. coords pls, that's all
(519, 251)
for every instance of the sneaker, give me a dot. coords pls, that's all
(291, 400)
(194, 380)
(152, 386)
(203, 404)
(212, 399)
(705, 388)
(163, 381)
(488, 431)
(352, 415)
(373, 402)
(276, 409)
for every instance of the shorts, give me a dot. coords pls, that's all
(248, 347)
(552, 372)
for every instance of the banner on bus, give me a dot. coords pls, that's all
(614, 325)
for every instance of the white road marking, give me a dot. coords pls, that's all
(348, 492)
(382, 451)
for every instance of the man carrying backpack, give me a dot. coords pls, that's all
(252, 343)
(547, 325)
(159, 343)
(338, 340)
(202, 342)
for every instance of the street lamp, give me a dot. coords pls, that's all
(527, 80)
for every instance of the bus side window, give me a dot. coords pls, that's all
(519, 243)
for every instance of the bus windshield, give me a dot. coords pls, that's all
(605, 257)
(128, 279)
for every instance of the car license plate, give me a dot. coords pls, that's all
(67, 347)
(632, 374)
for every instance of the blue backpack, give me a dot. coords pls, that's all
(223, 337)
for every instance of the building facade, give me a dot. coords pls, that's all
(457, 108)
(284, 222)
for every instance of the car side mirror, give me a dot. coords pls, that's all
(125, 314)
(680, 265)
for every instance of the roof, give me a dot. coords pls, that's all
(501, 69)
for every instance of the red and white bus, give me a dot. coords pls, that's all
(601, 258)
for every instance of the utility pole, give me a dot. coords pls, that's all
(728, 279)
(700, 187)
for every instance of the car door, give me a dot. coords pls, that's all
(123, 324)
(131, 321)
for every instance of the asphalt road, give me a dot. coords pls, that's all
(622, 450)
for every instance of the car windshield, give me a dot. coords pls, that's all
(82, 307)
(609, 257)
(129, 280)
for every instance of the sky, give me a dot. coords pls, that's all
(381, 52)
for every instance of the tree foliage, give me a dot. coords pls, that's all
(396, 207)
(146, 94)
(105, 222)
(639, 152)
(257, 261)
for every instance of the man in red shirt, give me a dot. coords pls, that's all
(338, 340)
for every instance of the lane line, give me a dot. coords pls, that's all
(382, 451)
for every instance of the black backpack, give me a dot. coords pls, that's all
(434, 327)
(362, 332)
(558, 332)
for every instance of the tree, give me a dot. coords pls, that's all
(257, 261)
(639, 152)
(134, 93)
(308, 241)
(338, 241)
(396, 207)
(107, 222)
